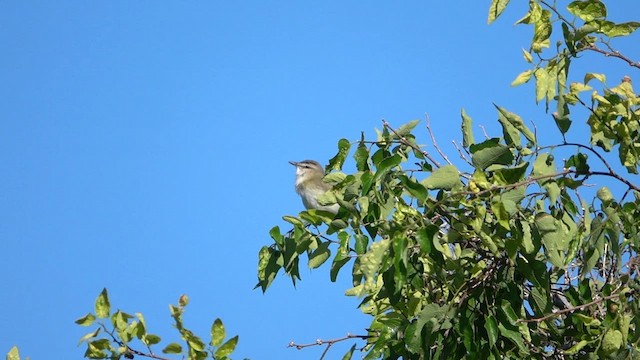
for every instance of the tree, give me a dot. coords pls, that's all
(512, 255)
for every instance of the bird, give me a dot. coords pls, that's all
(310, 185)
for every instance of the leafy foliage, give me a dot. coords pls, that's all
(504, 257)
(115, 341)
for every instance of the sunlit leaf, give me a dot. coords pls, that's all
(496, 8)
(218, 333)
(446, 177)
(227, 348)
(102, 306)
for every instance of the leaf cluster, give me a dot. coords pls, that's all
(505, 258)
(117, 333)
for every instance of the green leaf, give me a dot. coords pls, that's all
(552, 237)
(227, 348)
(13, 354)
(349, 353)
(541, 31)
(102, 307)
(95, 349)
(511, 175)
(611, 342)
(522, 78)
(488, 153)
(517, 122)
(88, 336)
(576, 348)
(622, 29)
(590, 76)
(544, 169)
(86, 320)
(512, 335)
(605, 195)
(405, 129)
(414, 188)
(446, 177)
(491, 326)
(467, 130)
(173, 348)
(320, 255)
(151, 339)
(218, 333)
(588, 10)
(371, 261)
(343, 150)
(527, 56)
(427, 321)
(361, 156)
(496, 8)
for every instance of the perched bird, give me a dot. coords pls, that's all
(310, 185)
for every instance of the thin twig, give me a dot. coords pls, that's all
(462, 155)
(611, 53)
(433, 140)
(404, 141)
(571, 309)
(329, 343)
(615, 54)
(484, 131)
(151, 355)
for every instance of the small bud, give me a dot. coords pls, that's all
(184, 300)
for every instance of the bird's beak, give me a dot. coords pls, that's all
(294, 163)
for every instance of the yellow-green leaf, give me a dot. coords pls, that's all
(522, 78)
(227, 348)
(446, 177)
(103, 307)
(218, 333)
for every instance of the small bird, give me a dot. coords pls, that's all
(310, 185)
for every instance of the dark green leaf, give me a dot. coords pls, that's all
(467, 130)
(343, 150)
(173, 348)
(349, 353)
(414, 188)
(489, 153)
(491, 326)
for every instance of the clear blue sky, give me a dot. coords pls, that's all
(144, 148)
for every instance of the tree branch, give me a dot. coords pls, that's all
(329, 343)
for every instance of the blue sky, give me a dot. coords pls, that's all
(144, 148)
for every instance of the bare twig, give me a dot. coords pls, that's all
(570, 309)
(610, 53)
(433, 140)
(484, 131)
(615, 54)
(404, 141)
(462, 155)
(329, 343)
